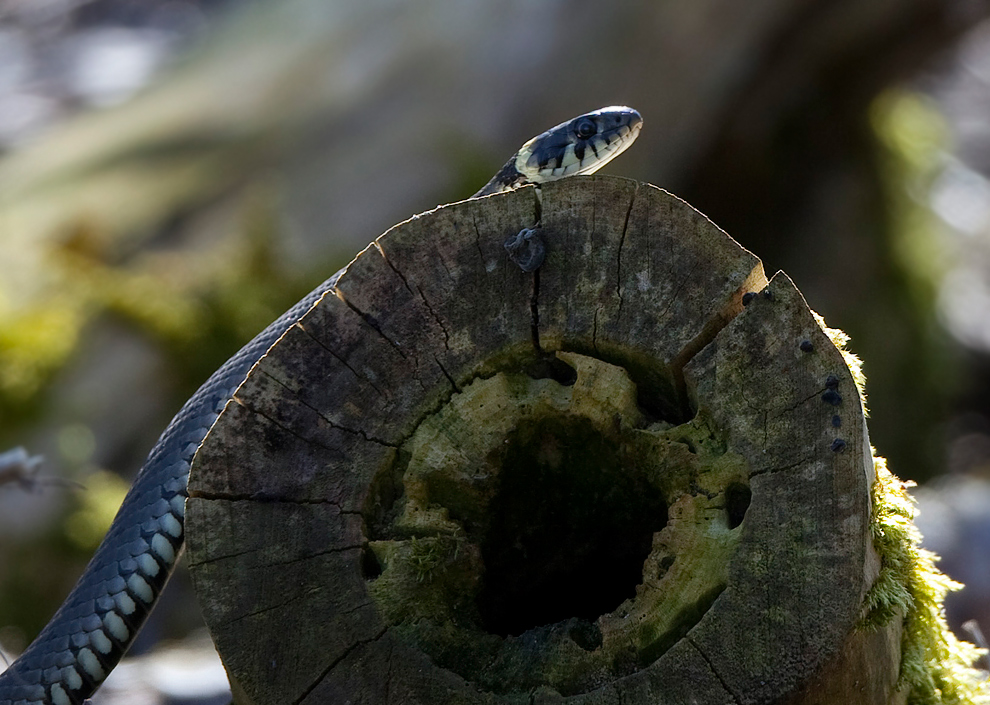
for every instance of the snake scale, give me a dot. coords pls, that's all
(86, 638)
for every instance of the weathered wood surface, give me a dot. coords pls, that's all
(608, 482)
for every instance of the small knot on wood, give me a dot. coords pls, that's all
(526, 249)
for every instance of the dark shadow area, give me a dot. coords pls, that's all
(737, 499)
(570, 529)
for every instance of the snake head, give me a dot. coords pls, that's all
(581, 145)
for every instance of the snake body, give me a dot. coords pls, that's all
(99, 619)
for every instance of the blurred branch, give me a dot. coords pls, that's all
(17, 465)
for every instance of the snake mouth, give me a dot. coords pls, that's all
(580, 146)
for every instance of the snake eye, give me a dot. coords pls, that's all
(585, 128)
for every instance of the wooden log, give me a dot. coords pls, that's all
(608, 481)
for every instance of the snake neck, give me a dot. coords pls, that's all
(508, 177)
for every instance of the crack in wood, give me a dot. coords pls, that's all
(678, 288)
(446, 374)
(446, 269)
(594, 332)
(333, 424)
(782, 468)
(343, 361)
(388, 674)
(795, 405)
(436, 317)
(707, 334)
(534, 299)
(282, 426)
(711, 667)
(418, 291)
(618, 255)
(268, 564)
(371, 322)
(263, 498)
(715, 325)
(300, 559)
(534, 313)
(227, 556)
(360, 605)
(333, 664)
(766, 420)
(477, 240)
(264, 610)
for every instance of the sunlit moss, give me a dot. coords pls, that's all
(936, 667)
(911, 124)
(199, 306)
(915, 140)
(86, 526)
(164, 308)
(35, 343)
(840, 340)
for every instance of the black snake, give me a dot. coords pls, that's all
(101, 616)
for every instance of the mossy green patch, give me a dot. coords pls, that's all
(936, 667)
(86, 526)
(547, 533)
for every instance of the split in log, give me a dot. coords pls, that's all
(606, 481)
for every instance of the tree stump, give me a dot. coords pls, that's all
(607, 481)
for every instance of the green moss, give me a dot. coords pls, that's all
(87, 525)
(910, 254)
(936, 667)
(841, 340)
(198, 305)
(549, 534)
(214, 276)
(914, 138)
(34, 344)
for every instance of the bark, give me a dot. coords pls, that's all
(608, 481)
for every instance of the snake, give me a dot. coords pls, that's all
(91, 631)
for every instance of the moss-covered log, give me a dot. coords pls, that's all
(640, 474)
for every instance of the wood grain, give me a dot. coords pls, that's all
(609, 481)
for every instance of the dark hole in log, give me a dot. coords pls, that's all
(370, 567)
(552, 367)
(585, 634)
(570, 528)
(737, 499)
(665, 563)
(659, 389)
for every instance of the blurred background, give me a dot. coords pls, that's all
(175, 173)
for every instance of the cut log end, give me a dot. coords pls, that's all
(615, 479)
